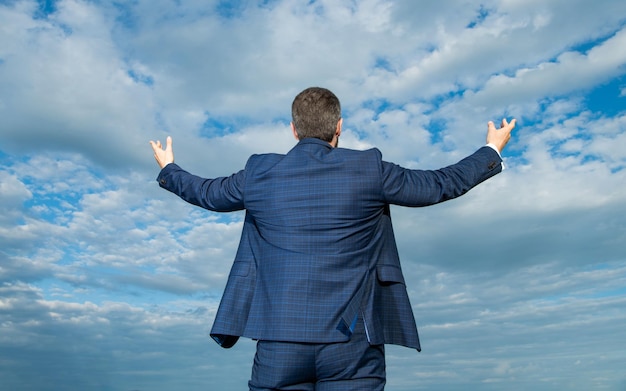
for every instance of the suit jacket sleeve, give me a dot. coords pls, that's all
(223, 194)
(402, 186)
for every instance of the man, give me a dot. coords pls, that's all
(317, 278)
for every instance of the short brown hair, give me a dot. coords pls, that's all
(315, 113)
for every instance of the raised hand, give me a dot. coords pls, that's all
(500, 137)
(163, 156)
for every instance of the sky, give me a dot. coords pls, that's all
(108, 282)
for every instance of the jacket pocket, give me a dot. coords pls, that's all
(389, 274)
(240, 268)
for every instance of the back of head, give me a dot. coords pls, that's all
(316, 112)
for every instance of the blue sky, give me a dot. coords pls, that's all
(109, 283)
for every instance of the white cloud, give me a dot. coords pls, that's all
(12, 192)
(571, 72)
(87, 346)
(68, 86)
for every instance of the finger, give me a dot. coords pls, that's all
(509, 125)
(491, 126)
(168, 142)
(504, 123)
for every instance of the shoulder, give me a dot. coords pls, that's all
(372, 153)
(259, 157)
(263, 159)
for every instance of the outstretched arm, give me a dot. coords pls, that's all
(426, 187)
(221, 194)
(163, 156)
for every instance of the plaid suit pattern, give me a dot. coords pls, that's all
(317, 246)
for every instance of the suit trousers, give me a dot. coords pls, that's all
(342, 366)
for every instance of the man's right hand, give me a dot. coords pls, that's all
(163, 156)
(499, 137)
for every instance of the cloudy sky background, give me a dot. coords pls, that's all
(109, 283)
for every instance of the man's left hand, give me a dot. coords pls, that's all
(163, 156)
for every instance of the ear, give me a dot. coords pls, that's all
(294, 131)
(335, 141)
(339, 125)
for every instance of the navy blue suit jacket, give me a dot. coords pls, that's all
(317, 246)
